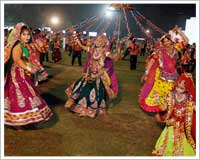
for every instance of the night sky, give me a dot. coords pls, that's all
(165, 16)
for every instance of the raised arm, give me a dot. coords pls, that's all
(115, 56)
(86, 48)
(185, 38)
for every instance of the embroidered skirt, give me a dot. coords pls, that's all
(87, 98)
(173, 142)
(56, 55)
(160, 88)
(22, 103)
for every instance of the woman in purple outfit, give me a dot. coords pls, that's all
(108, 64)
(89, 95)
(22, 103)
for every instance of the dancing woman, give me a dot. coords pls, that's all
(89, 95)
(176, 138)
(108, 64)
(56, 55)
(160, 74)
(22, 103)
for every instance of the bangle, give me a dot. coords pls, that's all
(88, 49)
(28, 67)
(107, 54)
(146, 72)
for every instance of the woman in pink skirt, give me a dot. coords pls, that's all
(22, 103)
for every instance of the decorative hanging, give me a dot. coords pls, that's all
(127, 7)
(140, 26)
(92, 24)
(99, 25)
(126, 20)
(149, 23)
(106, 27)
(82, 23)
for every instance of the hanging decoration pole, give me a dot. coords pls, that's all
(103, 29)
(126, 20)
(99, 25)
(116, 28)
(140, 25)
(158, 29)
(82, 23)
(106, 27)
(118, 34)
(92, 24)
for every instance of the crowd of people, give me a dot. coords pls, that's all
(168, 91)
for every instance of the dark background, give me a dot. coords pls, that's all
(165, 16)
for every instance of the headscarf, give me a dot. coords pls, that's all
(13, 37)
(186, 78)
(190, 115)
(15, 33)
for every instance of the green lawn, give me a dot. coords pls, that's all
(125, 131)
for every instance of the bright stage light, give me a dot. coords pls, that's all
(92, 34)
(111, 8)
(147, 31)
(191, 29)
(55, 20)
(108, 14)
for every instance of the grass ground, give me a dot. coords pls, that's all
(125, 131)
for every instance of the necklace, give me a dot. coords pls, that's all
(180, 98)
(170, 52)
(97, 53)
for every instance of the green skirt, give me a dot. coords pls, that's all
(166, 144)
(87, 98)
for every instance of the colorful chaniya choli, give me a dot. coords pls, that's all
(34, 58)
(160, 80)
(176, 140)
(88, 96)
(56, 55)
(22, 103)
(109, 66)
